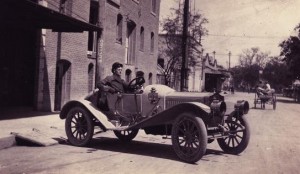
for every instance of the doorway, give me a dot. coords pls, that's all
(62, 83)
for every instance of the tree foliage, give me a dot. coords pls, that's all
(251, 62)
(275, 71)
(277, 74)
(290, 51)
(253, 56)
(246, 75)
(172, 28)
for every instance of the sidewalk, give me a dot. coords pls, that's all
(41, 125)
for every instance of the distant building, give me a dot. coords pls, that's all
(55, 50)
(213, 75)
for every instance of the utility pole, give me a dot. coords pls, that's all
(229, 54)
(184, 65)
(214, 52)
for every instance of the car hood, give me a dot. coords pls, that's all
(184, 95)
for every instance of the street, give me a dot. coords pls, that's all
(274, 148)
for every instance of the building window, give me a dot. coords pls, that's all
(66, 7)
(150, 78)
(130, 43)
(153, 9)
(142, 39)
(152, 42)
(128, 73)
(119, 28)
(94, 13)
(161, 62)
(90, 77)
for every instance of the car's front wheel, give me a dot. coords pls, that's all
(189, 137)
(238, 136)
(79, 126)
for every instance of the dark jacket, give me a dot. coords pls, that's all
(113, 84)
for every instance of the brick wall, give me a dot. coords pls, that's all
(140, 14)
(74, 47)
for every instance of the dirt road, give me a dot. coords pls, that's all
(274, 148)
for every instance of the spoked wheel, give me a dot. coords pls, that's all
(127, 135)
(189, 137)
(79, 126)
(238, 136)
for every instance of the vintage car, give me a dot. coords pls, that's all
(191, 120)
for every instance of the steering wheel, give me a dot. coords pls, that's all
(139, 81)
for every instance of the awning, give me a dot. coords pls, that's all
(25, 13)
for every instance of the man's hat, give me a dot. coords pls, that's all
(115, 66)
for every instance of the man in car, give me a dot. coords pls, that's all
(114, 83)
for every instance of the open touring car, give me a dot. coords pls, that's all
(191, 119)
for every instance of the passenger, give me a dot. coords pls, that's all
(264, 88)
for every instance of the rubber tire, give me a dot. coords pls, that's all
(244, 141)
(89, 127)
(198, 124)
(131, 134)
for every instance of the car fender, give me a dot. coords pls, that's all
(101, 117)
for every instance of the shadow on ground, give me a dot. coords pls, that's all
(157, 150)
(286, 100)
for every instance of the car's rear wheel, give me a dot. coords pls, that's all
(189, 137)
(238, 136)
(127, 135)
(79, 126)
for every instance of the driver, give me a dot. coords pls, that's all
(114, 83)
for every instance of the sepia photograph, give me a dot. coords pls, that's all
(149, 86)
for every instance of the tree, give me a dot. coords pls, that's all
(290, 50)
(244, 75)
(251, 62)
(277, 74)
(172, 29)
(253, 56)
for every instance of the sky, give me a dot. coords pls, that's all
(236, 25)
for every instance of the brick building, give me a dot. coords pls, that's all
(130, 36)
(55, 50)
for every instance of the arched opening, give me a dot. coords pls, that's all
(142, 39)
(62, 83)
(90, 77)
(128, 73)
(150, 78)
(119, 28)
(152, 42)
(130, 43)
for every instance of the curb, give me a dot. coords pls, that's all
(7, 142)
